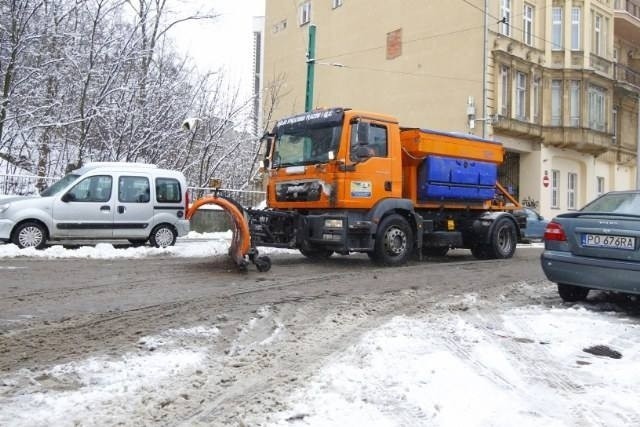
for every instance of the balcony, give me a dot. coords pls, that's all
(627, 78)
(584, 140)
(627, 19)
(517, 128)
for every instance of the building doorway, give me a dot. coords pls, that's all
(509, 173)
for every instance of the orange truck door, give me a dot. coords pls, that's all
(370, 176)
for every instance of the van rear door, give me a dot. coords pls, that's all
(133, 216)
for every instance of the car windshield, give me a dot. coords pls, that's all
(58, 186)
(616, 203)
(304, 146)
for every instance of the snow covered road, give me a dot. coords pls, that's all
(445, 343)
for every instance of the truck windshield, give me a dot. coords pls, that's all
(58, 186)
(305, 146)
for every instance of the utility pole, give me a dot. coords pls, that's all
(311, 63)
(637, 146)
(484, 71)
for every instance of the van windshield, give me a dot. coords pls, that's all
(58, 186)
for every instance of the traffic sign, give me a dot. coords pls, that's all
(545, 181)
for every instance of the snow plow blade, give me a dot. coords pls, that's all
(240, 247)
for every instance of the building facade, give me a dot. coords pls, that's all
(557, 82)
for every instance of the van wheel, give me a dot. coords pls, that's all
(162, 236)
(30, 235)
(394, 241)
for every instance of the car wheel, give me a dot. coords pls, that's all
(162, 236)
(571, 293)
(30, 235)
(394, 241)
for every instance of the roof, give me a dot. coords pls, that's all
(124, 166)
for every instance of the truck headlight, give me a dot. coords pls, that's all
(333, 223)
(4, 207)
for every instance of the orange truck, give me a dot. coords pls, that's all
(342, 180)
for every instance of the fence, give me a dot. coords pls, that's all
(27, 185)
(23, 185)
(246, 198)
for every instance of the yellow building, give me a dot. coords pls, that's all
(557, 82)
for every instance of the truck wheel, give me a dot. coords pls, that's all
(29, 235)
(163, 235)
(571, 293)
(503, 240)
(394, 241)
(316, 254)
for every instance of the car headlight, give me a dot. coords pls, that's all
(333, 223)
(4, 207)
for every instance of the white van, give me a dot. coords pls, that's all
(102, 200)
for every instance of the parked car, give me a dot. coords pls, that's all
(536, 225)
(103, 200)
(596, 247)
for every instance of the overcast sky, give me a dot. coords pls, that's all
(225, 43)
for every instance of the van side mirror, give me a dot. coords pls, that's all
(68, 197)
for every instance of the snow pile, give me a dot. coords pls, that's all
(528, 369)
(191, 246)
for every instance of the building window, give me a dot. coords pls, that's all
(600, 190)
(536, 100)
(556, 102)
(555, 189)
(575, 28)
(505, 17)
(556, 28)
(596, 108)
(527, 24)
(597, 34)
(614, 125)
(336, 3)
(305, 13)
(504, 91)
(574, 107)
(572, 185)
(521, 96)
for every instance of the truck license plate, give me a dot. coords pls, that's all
(612, 242)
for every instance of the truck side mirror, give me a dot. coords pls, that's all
(362, 133)
(266, 143)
